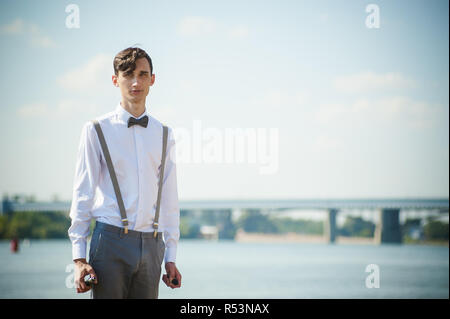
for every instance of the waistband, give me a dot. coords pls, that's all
(119, 231)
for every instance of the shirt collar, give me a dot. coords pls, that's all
(123, 115)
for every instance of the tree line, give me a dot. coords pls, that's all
(41, 225)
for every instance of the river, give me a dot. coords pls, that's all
(229, 269)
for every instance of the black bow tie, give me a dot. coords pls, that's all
(143, 121)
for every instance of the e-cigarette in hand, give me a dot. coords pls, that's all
(89, 280)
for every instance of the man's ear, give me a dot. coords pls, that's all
(152, 79)
(114, 80)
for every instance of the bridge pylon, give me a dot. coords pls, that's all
(388, 229)
(330, 230)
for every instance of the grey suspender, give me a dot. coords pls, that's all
(112, 173)
(161, 176)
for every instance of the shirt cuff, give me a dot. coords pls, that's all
(78, 250)
(171, 254)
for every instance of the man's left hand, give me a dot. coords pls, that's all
(172, 272)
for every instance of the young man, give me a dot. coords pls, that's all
(126, 263)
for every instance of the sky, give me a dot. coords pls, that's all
(267, 99)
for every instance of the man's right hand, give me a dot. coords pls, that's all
(82, 269)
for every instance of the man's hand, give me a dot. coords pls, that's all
(172, 272)
(82, 269)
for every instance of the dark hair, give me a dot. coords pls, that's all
(125, 60)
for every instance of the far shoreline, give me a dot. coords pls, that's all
(244, 237)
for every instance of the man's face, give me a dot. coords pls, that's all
(135, 87)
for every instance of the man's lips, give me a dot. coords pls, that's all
(136, 91)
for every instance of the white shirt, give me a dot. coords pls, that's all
(136, 156)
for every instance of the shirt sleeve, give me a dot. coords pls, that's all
(86, 179)
(169, 202)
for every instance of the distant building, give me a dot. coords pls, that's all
(209, 232)
(5, 206)
(416, 232)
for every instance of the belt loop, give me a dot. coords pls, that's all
(125, 225)
(155, 232)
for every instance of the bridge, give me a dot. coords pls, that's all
(387, 230)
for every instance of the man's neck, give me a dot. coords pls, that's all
(135, 109)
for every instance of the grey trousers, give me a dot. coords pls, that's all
(127, 265)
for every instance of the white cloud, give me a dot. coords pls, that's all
(196, 26)
(90, 88)
(32, 31)
(90, 91)
(397, 110)
(326, 143)
(276, 99)
(418, 114)
(15, 27)
(34, 110)
(389, 106)
(65, 108)
(369, 81)
(38, 39)
(330, 112)
(70, 107)
(93, 76)
(238, 32)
